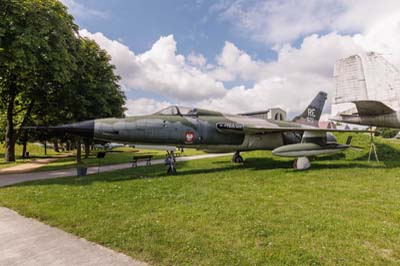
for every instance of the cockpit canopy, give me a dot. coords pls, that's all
(185, 111)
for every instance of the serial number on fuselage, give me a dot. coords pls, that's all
(229, 125)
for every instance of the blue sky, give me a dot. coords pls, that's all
(194, 24)
(234, 55)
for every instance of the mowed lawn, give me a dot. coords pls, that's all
(35, 152)
(343, 211)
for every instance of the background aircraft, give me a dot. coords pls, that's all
(367, 91)
(213, 131)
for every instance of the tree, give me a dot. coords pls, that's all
(92, 93)
(37, 38)
(94, 89)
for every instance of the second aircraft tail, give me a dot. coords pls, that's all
(312, 113)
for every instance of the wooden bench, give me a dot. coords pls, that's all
(141, 158)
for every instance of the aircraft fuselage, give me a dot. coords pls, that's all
(186, 131)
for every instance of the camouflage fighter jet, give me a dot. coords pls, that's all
(213, 131)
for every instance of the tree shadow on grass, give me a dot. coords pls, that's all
(387, 154)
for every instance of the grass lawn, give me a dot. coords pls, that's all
(343, 211)
(35, 151)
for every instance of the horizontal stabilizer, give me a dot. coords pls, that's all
(368, 107)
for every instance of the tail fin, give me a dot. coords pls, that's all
(313, 112)
(366, 77)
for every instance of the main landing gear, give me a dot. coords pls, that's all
(237, 158)
(301, 163)
(170, 161)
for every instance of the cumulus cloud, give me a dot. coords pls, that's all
(144, 106)
(290, 81)
(197, 59)
(234, 63)
(159, 69)
(383, 37)
(279, 22)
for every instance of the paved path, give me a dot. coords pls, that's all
(10, 179)
(26, 242)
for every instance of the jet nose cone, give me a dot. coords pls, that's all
(83, 129)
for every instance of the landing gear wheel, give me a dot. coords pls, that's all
(170, 162)
(237, 158)
(301, 163)
(295, 164)
(171, 171)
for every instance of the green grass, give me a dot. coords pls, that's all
(35, 151)
(343, 211)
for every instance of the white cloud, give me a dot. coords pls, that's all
(292, 93)
(144, 106)
(383, 37)
(278, 22)
(197, 59)
(316, 55)
(234, 63)
(159, 69)
(361, 15)
(290, 81)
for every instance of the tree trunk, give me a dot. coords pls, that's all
(45, 147)
(55, 146)
(24, 148)
(78, 151)
(68, 145)
(72, 145)
(10, 130)
(87, 147)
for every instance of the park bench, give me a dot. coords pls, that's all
(141, 158)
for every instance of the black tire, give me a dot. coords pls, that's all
(171, 171)
(238, 159)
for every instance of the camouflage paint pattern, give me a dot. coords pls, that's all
(205, 131)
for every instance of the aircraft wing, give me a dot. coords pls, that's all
(368, 107)
(259, 126)
(260, 130)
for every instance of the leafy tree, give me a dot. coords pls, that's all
(37, 38)
(92, 93)
(95, 89)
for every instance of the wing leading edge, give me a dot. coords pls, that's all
(255, 129)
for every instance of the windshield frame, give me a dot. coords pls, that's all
(179, 111)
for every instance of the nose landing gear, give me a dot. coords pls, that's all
(170, 162)
(237, 158)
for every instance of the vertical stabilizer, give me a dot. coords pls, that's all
(312, 113)
(366, 77)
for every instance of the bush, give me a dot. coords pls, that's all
(387, 132)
